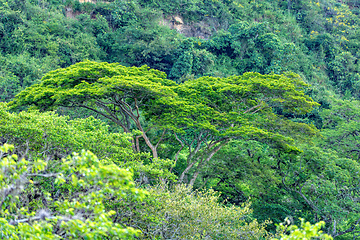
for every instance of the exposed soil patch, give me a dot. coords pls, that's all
(203, 29)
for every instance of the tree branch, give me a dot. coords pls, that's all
(102, 114)
(161, 138)
(178, 152)
(311, 204)
(137, 109)
(211, 154)
(350, 229)
(252, 108)
(43, 175)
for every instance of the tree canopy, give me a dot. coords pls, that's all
(223, 105)
(201, 114)
(81, 196)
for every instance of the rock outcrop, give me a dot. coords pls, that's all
(203, 29)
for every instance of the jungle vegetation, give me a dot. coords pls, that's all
(181, 119)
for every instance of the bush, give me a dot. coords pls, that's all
(180, 213)
(67, 203)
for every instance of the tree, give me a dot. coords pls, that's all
(178, 212)
(341, 128)
(110, 90)
(201, 114)
(73, 208)
(238, 107)
(306, 231)
(49, 136)
(31, 187)
(85, 198)
(327, 187)
(318, 183)
(247, 169)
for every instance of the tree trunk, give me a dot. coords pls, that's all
(152, 147)
(192, 181)
(181, 179)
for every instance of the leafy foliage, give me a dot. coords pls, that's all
(47, 135)
(180, 213)
(123, 95)
(75, 210)
(318, 40)
(83, 197)
(306, 231)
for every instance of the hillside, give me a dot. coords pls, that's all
(255, 99)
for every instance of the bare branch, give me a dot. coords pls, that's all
(42, 175)
(137, 109)
(252, 108)
(102, 114)
(350, 229)
(311, 204)
(181, 179)
(161, 138)
(218, 141)
(211, 154)
(178, 152)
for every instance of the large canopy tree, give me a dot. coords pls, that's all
(239, 107)
(85, 197)
(116, 92)
(202, 114)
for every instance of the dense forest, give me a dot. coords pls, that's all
(181, 119)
